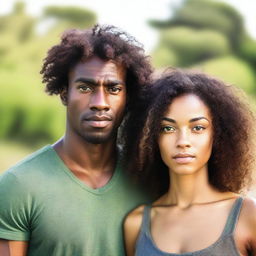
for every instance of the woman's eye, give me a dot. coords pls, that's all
(84, 88)
(114, 89)
(168, 129)
(198, 128)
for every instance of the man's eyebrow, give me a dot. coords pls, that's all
(191, 120)
(114, 82)
(95, 82)
(86, 80)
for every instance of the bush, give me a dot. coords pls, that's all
(193, 46)
(74, 14)
(231, 70)
(164, 57)
(208, 14)
(27, 113)
(248, 50)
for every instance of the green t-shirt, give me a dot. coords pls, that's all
(42, 202)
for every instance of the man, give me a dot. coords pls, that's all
(70, 198)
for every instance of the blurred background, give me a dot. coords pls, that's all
(218, 37)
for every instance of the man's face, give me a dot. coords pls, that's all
(96, 99)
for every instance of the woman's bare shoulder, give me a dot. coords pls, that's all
(248, 221)
(132, 224)
(134, 217)
(249, 210)
(248, 218)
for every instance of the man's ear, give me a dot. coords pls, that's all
(64, 97)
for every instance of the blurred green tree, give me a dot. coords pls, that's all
(208, 14)
(75, 15)
(193, 45)
(205, 30)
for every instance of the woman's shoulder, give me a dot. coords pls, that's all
(249, 201)
(134, 218)
(246, 229)
(132, 225)
(248, 212)
(247, 219)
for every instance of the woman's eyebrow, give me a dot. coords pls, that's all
(191, 120)
(197, 119)
(169, 119)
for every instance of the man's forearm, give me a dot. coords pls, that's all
(13, 248)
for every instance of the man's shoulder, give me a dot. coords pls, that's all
(26, 174)
(32, 162)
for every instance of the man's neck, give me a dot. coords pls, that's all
(94, 164)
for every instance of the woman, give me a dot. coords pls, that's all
(196, 149)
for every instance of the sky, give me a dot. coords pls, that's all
(132, 15)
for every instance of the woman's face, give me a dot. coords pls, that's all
(186, 136)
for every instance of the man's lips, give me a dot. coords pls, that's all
(183, 158)
(98, 118)
(98, 121)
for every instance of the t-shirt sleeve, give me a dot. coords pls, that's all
(14, 209)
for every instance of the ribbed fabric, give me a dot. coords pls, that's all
(224, 246)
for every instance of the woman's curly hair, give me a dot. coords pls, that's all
(108, 43)
(233, 156)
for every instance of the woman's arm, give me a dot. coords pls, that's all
(245, 234)
(252, 225)
(132, 226)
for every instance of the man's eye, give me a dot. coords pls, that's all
(168, 129)
(114, 89)
(84, 88)
(198, 128)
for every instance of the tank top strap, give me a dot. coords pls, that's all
(233, 217)
(145, 227)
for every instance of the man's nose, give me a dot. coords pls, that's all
(99, 100)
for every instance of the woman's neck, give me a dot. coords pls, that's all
(186, 190)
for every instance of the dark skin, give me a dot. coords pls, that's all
(95, 105)
(95, 102)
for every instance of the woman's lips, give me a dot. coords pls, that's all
(183, 158)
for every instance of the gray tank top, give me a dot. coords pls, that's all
(224, 246)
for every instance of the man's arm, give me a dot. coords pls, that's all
(14, 216)
(13, 248)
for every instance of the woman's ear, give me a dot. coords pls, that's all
(64, 97)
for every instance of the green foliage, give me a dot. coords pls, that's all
(19, 8)
(191, 46)
(208, 14)
(75, 15)
(207, 31)
(248, 50)
(27, 114)
(163, 57)
(18, 25)
(231, 70)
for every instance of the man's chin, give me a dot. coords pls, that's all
(98, 139)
